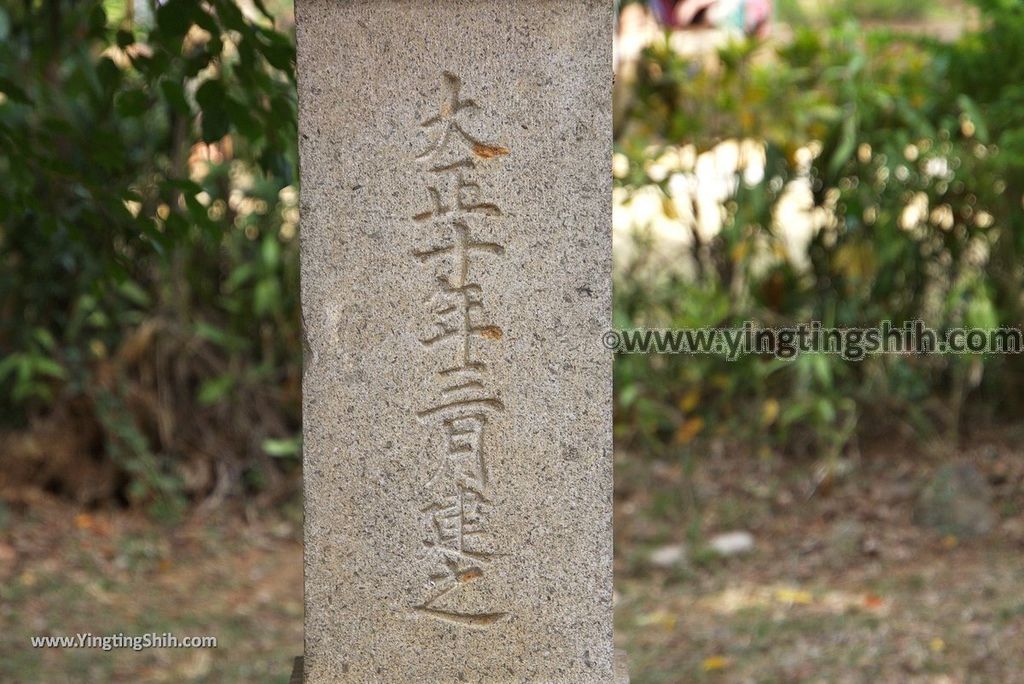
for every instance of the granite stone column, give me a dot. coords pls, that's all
(456, 281)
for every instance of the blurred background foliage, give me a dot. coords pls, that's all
(866, 175)
(150, 337)
(149, 330)
(801, 520)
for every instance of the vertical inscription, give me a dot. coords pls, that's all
(458, 542)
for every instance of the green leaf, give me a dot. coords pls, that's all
(242, 118)
(968, 107)
(270, 252)
(49, 367)
(628, 395)
(45, 339)
(847, 143)
(176, 228)
(981, 313)
(239, 276)
(97, 20)
(197, 62)
(108, 74)
(174, 94)
(186, 186)
(211, 98)
(13, 92)
(215, 389)
(221, 338)
(125, 38)
(825, 410)
(283, 448)
(131, 291)
(792, 413)
(231, 15)
(266, 297)
(211, 93)
(174, 18)
(278, 50)
(132, 103)
(9, 365)
(821, 364)
(263, 9)
(215, 124)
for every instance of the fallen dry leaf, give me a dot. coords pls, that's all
(715, 663)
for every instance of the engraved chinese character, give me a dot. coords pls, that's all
(457, 541)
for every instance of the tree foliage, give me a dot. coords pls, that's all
(147, 220)
(911, 153)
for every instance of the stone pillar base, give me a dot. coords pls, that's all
(621, 670)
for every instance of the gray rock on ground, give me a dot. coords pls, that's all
(956, 501)
(668, 556)
(732, 543)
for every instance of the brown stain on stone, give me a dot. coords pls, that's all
(491, 332)
(470, 575)
(489, 151)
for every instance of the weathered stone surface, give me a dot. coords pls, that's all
(456, 212)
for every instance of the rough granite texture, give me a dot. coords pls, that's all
(456, 281)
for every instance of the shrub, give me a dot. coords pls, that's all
(906, 152)
(148, 278)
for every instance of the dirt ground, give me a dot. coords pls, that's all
(64, 571)
(841, 585)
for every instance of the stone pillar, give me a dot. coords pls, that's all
(456, 281)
